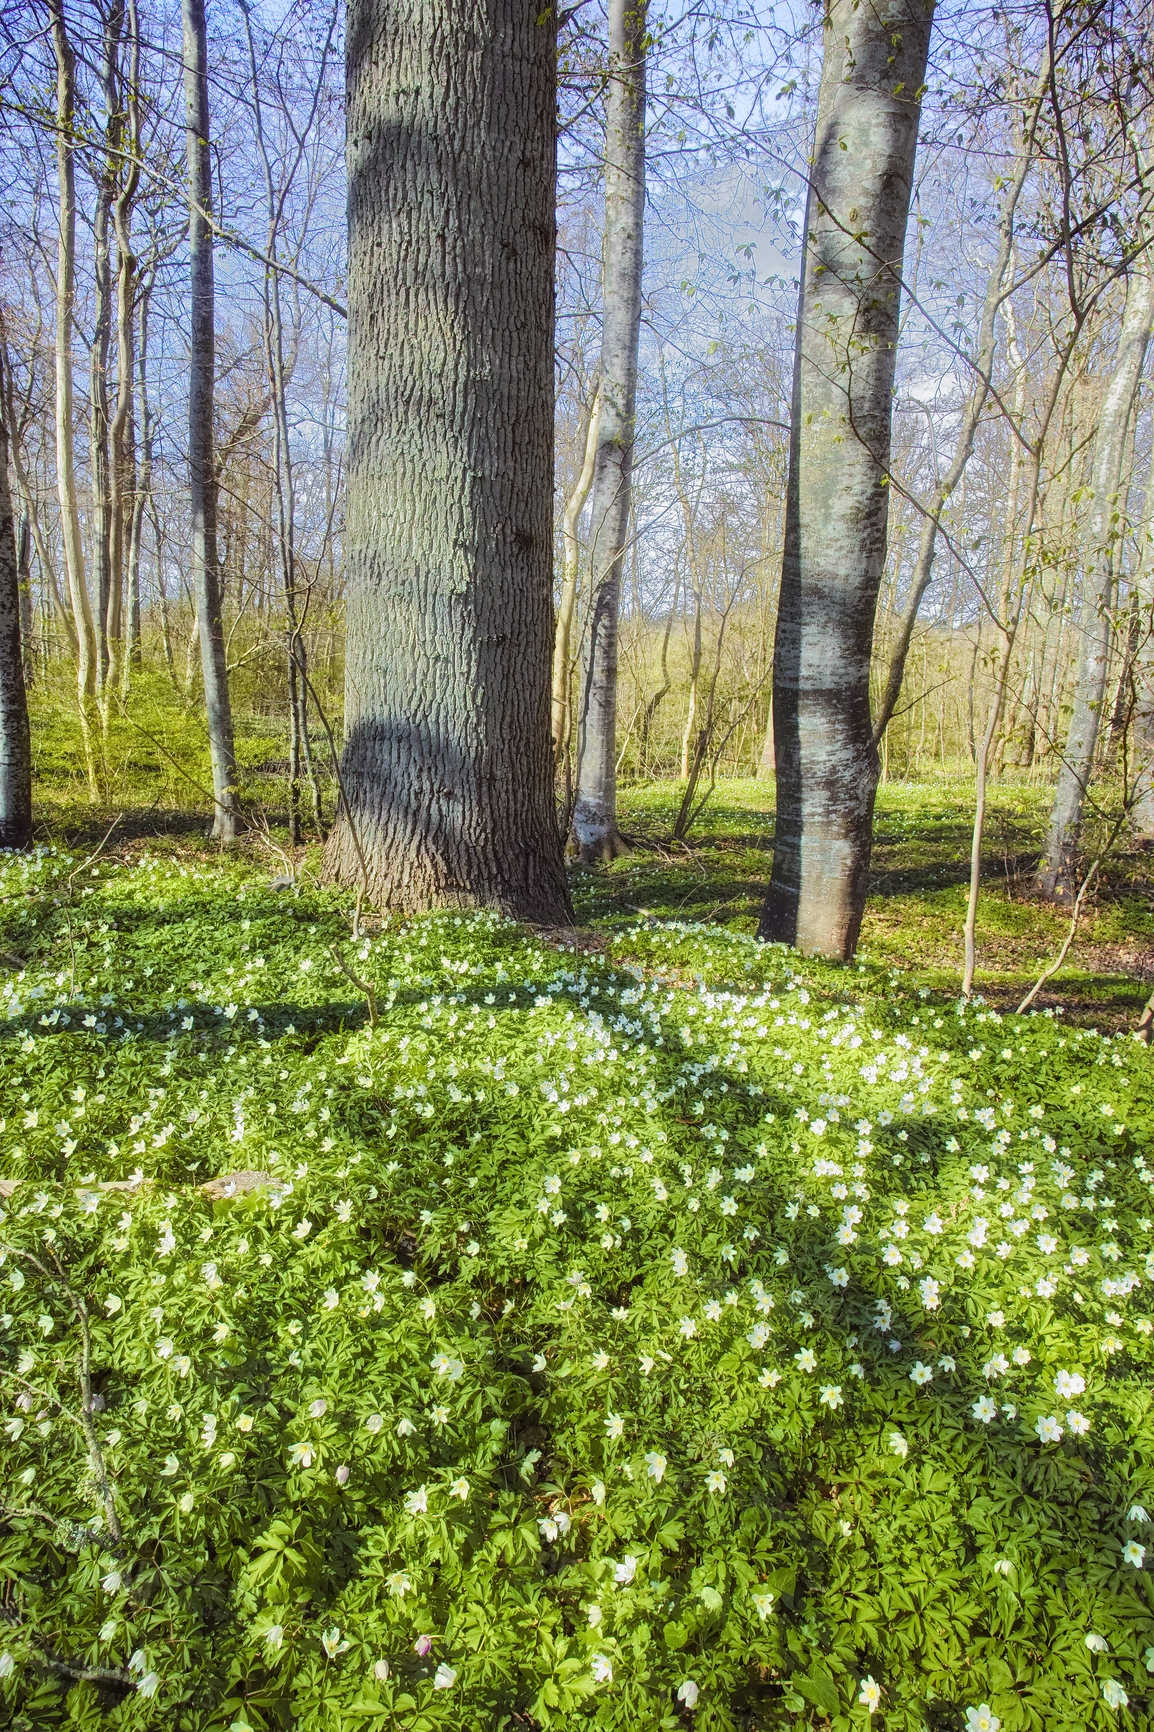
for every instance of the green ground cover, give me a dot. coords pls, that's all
(636, 1327)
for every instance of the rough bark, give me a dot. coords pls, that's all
(595, 807)
(836, 508)
(447, 775)
(15, 736)
(1058, 873)
(201, 467)
(82, 620)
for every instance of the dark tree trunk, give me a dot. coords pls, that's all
(835, 537)
(201, 467)
(595, 806)
(447, 769)
(15, 737)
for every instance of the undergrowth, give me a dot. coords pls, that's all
(646, 1328)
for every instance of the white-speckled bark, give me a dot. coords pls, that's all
(835, 539)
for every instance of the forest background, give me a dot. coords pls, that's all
(422, 1317)
(997, 619)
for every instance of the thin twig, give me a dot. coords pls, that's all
(361, 985)
(1076, 912)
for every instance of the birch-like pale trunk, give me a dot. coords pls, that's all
(447, 771)
(122, 434)
(562, 699)
(70, 532)
(869, 103)
(201, 467)
(1142, 811)
(1058, 873)
(997, 289)
(24, 581)
(1017, 575)
(101, 514)
(15, 734)
(595, 807)
(142, 489)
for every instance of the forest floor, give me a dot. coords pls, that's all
(918, 883)
(629, 1327)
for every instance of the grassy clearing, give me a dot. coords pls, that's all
(917, 896)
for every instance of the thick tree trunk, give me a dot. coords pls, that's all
(15, 736)
(82, 620)
(202, 470)
(595, 807)
(835, 540)
(1058, 873)
(447, 774)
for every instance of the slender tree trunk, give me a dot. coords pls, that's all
(122, 514)
(767, 763)
(1142, 812)
(827, 763)
(102, 522)
(15, 735)
(1057, 875)
(562, 703)
(1122, 707)
(202, 470)
(284, 486)
(30, 514)
(663, 689)
(447, 775)
(595, 808)
(997, 289)
(1016, 576)
(24, 580)
(142, 488)
(162, 588)
(83, 623)
(688, 733)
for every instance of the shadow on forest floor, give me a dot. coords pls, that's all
(918, 884)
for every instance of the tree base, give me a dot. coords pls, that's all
(600, 850)
(413, 881)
